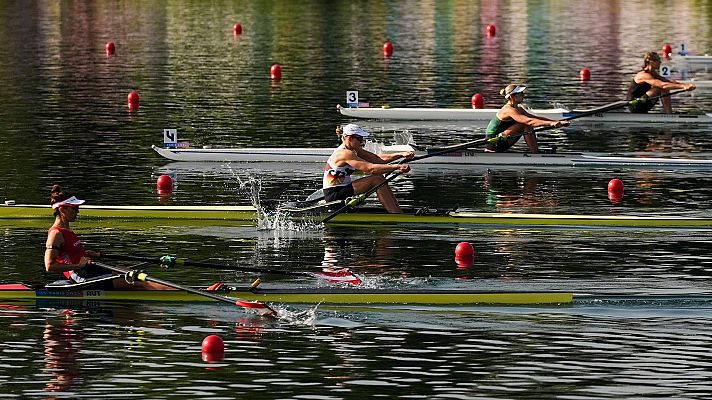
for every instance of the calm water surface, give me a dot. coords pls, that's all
(65, 120)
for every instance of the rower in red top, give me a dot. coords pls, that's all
(649, 83)
(65, 252)
(351, 156)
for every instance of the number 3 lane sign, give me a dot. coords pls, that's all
(352, 98)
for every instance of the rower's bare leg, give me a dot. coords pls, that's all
(532, 142)
(667, 103)
(385, 195)
(388, 199)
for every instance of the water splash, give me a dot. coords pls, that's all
(271, 220)
(305, 317)
(403, 138)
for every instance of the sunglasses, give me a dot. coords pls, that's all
(357, 137)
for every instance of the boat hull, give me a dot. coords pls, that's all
(456, 159)
(304, 296)
(484, 115)
(136, 217)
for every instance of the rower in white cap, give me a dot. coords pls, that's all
(351, 156)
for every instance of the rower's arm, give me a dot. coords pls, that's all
(664, 83)
(372, 168)
(374, 158)
(529, 115)
(532, 121)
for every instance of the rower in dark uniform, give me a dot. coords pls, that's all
(649, 83)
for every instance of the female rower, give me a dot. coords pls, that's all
(351, 156)
(511, 120)
(65, 253)
(649, 83)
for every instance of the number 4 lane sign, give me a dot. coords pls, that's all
(170, 137)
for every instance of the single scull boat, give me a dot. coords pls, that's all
(20, 291)
(485, 114)
(133, 217)
(456, 159)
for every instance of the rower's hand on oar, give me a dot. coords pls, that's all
(403, 168)
(689, 87)
(408, 155)
(83, 262)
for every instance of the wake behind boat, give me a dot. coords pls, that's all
(484, 115)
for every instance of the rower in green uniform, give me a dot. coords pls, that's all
(511, 120)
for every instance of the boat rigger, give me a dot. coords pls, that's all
(136, 217)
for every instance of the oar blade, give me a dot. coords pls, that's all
(343, 275)
(258, 306)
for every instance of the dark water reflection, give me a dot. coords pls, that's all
(65, 120)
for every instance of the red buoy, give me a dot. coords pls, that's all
(237, 29)
(667, 50)
(213, 344)
(491, 30)
(585, 74)
(615, 188)
(388, 48)
(464, 263)
(110, 48)
(465, 251)
(134, 101)
(164, 184)
(213, 357)
(478, 101)
(276, 71)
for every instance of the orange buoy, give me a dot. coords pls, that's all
(110, 48)
(491, 30)
(134, 100)
(585, 74)
(237, 29)
(164, 184)
(388, 48)
(276, 71)
(478, 101)
(667, 50)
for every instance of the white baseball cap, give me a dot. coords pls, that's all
(353, 129)
(72, 201)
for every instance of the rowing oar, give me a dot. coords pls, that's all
(260, 307)
(341, 275)
(616, 105)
